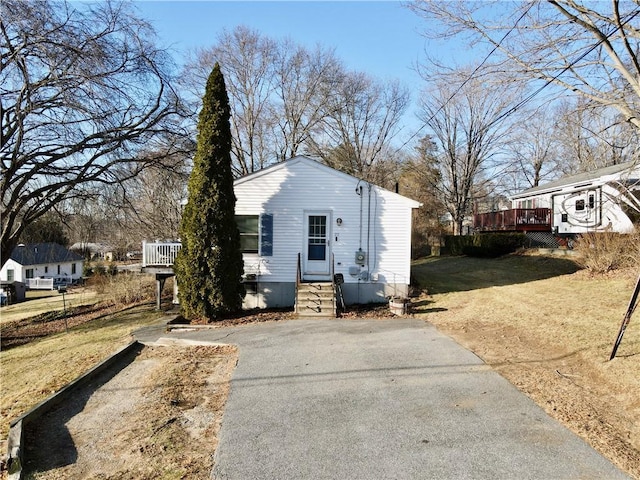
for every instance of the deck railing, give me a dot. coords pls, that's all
(514, 220)
(160, 254)
(39, 283)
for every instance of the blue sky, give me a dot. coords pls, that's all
(382, 38)
(379, 37)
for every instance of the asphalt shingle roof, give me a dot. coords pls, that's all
(579, 178)
(41, 253)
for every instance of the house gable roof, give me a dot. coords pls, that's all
(600, 173)
(42, 253)
(301, 159)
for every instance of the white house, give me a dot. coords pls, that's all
(606, 199)
(300, 220)
(50, 261)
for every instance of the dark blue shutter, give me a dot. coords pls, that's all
(266, 235)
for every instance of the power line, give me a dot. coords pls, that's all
(469, 78)
(533, 94)
(567, 67)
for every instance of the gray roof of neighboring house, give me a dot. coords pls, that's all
(41, 253)
(579, 178)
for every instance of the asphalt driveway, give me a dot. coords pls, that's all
(381, 399)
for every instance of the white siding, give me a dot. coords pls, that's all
(48, 270)
(298, 185)
(17, 271)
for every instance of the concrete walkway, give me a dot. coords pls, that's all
(381, 399)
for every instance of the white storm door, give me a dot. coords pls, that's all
(317, 245)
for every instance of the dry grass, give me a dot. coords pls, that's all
(34, 371)
(605, 251)
(125, 288)
(550, 333)
(42, 301)
(158, 418)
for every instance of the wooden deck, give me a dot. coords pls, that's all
(514, 220)
(159, 254)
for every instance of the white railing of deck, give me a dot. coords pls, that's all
(40, 283)
(159, 254)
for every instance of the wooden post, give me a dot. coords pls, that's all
(160, 279)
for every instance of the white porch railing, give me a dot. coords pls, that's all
(159, 254)
(40, 283)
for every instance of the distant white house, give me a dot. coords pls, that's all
(30, 263)
(606, 199)
(93, 250)
(302, 220)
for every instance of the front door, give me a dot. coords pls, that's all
(317, 247)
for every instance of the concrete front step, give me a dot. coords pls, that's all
(315, 300)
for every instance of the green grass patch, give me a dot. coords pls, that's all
(456, 274)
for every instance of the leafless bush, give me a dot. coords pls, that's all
(605, 251)
(125, 289)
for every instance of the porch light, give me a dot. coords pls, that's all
(339, 221)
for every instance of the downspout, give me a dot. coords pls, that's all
(359, 193)
(369, 230)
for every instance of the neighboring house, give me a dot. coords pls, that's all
(303, 224)
(33, 262)
(606, 199)
(93, 251)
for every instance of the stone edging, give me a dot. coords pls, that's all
(15, 451)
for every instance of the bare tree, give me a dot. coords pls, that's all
(362, 119)
(286, 99)
(465, 119)
(419, 180)
(588, 138)
(532, 151)
(590, 48)
(83, 89)
(304, 82)
(156, 199)
(247, 59)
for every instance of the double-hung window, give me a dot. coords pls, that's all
(256, 233)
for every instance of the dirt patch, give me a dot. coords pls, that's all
(373, 310)
(157, 418)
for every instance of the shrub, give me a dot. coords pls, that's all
(112, 269)
(125, 289)
(601, 252)
(488, 245)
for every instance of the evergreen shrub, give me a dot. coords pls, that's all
(487, 245)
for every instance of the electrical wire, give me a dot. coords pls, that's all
(567, 67)
(533, 94)
(469, 78)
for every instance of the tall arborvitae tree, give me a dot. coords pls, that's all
(209, 267)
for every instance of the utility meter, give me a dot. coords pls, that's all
(361, 257)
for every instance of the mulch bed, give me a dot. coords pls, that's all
(377, 310)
